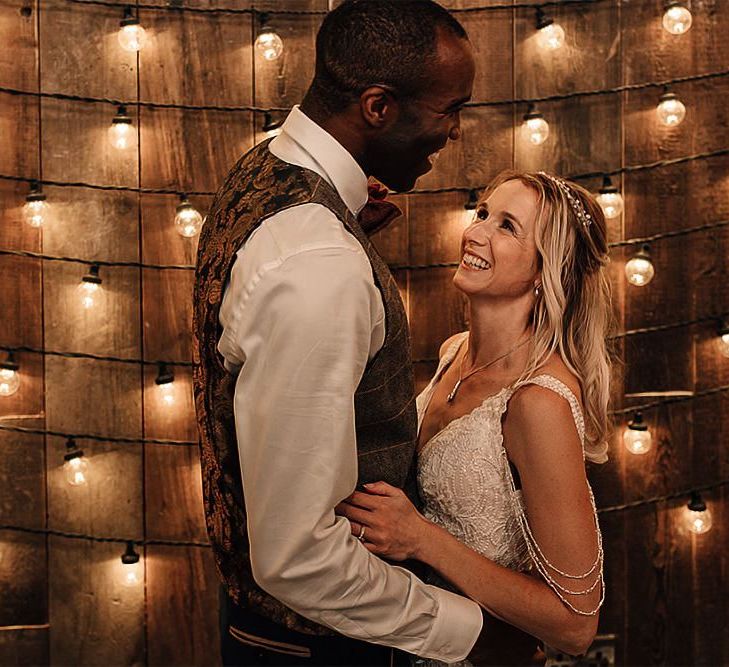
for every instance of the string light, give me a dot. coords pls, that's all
(676, 19)
(121, 132)
(76, 465)
(268, 42)
(550, 35)
(636, 437)
(271, 127)
(132, 36)
(610, 199)
(640, 270)
(534, 127)
(469, 207)
(165, 379)
(132, 566)
(9, 376)
(35, 206)
(188, 220)
(671, 111)
(724, 336)
(90, 287)
(698, 515)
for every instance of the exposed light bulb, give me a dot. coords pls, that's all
(268, 42)
(677, 19)
(76, 466)
(671, 111)
(550, 35)
(90, 287)
(724, 336)
(132, 36)
(132, 567)
(271, 127)
(121, 132)
(165, 381)
(636, 437)
(610, 199)
(698, 515)
(639, 270)
(188, 220)
(534, 127)
(469, 208)
(35, 206)
(9, 376)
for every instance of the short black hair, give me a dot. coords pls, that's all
(366, 42)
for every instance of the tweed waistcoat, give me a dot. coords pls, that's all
(259, 186)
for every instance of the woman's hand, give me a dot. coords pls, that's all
(393, 528)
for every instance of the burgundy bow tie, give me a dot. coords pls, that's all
(377, 213)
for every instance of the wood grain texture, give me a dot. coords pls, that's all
(182, 590)
(24, 648)
(22, 475)
(23, 579)
(18, 58)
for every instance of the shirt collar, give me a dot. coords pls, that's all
(337, 164)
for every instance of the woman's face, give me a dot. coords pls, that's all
(498, 250)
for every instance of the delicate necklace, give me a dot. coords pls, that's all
(473, 371)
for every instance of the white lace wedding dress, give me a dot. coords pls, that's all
(465, 479)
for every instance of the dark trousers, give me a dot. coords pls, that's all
(251, 640)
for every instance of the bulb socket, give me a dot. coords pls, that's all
(129, 18)
(472, 202)
(532, 113)
(35, 193)
(130, 557)
(72, 450)
(667, 96)
(607, 186)
(10, 364)
(269, 124)
(165, 375)
(92, 276)
(184, 203)
(122, 117)
(644, 252)
(724, 325)
(696, 504)
(543, 20)
(637, 423)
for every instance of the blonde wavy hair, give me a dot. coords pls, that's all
(573, 314)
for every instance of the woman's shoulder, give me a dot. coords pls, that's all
(448, 342)
(555, 369)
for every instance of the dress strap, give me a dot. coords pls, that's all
(450, 355)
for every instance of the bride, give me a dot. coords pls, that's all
(517, 404)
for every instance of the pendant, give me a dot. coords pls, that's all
(452, 395)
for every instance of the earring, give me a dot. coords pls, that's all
(537, 291)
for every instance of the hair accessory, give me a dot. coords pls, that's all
(582, 215)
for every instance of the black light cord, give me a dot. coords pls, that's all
(98, 438)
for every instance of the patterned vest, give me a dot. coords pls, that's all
(259, 186)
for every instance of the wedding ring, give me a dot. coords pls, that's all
(360, 537)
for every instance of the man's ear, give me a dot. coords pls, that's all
(378, 107)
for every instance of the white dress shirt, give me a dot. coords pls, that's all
(301, 316)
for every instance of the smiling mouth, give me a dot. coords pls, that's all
(474, 263)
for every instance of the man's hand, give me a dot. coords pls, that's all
(393, 528)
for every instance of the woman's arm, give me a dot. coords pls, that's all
(543, 444)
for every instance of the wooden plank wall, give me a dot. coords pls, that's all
(61, 600)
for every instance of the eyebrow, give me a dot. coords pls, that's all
(511, 216)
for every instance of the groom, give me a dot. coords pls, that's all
(304, 387)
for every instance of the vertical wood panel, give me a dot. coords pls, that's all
(23, 579)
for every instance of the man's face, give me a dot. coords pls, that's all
(407, 150)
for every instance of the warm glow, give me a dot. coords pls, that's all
(76, 470)
(33, 212)
(121, 135)
(639, 271)
(269, 44)
(188, 220)
(611, 204)
(131, 574)
(677, 20)
(671, 111)
(167, 393)
(9, 381)
(699, 522)
(637, 442)
(132, 37)
(551, 37)
(724, 344)
(536, 130)
(89, 294)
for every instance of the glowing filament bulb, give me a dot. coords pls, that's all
(671, 111)
(698, 515)
(610, 199)
(639, 270)
(272, 128)
(534, 127)
(677, 19)
(268, 43)
(636, 437)
(550, 35)
(121, 132)
(35, 206)
(724, 337)
(9, 377)
(188, 220)
(132, 36)
(131, 566)
(76, 465)
(165, 381)
(469, 208)
(90, 288)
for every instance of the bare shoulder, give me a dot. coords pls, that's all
(448, 342)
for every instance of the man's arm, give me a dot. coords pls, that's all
(305, 334)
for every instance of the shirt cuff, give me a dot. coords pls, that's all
(456, 628)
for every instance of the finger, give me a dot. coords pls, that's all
(382, 489)
(357, 514)
(365, 500)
